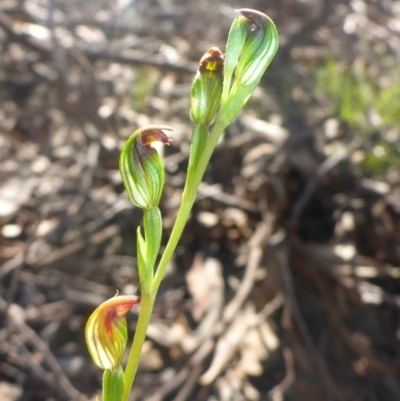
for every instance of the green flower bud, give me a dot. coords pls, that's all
(141, 167)
(106, 332)
(207, 88)
(252, 43)
(259, 48)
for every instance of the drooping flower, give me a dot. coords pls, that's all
(106, 331)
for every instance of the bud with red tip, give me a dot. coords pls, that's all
(207, 88)
(141, 167)
(106, 331)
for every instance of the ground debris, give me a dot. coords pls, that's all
(285, 285)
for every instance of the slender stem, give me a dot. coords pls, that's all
(195, 173)
(146, 309)
(152, 231)
(194, 177)
(113, 384)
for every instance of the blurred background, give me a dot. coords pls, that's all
(285, 285)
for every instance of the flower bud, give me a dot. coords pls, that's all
(106, 331)
(141, 167)
(252, 43)
(259, 48)
(207, 88)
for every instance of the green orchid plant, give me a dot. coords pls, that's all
(221, 88)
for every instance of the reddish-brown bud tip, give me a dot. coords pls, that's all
(255, 17)
(141, 167)
(213, 60)
(155, 134)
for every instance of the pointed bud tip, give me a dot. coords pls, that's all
(255, 17)
(213, 60)
(122, 304)
(155, 133)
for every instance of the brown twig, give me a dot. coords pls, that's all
(59, 380)
(277, 392)
(256, 244)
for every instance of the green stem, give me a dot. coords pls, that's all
(198, 143)
(113, 384)
(194, 176)
(152, 231)
(146, 309)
